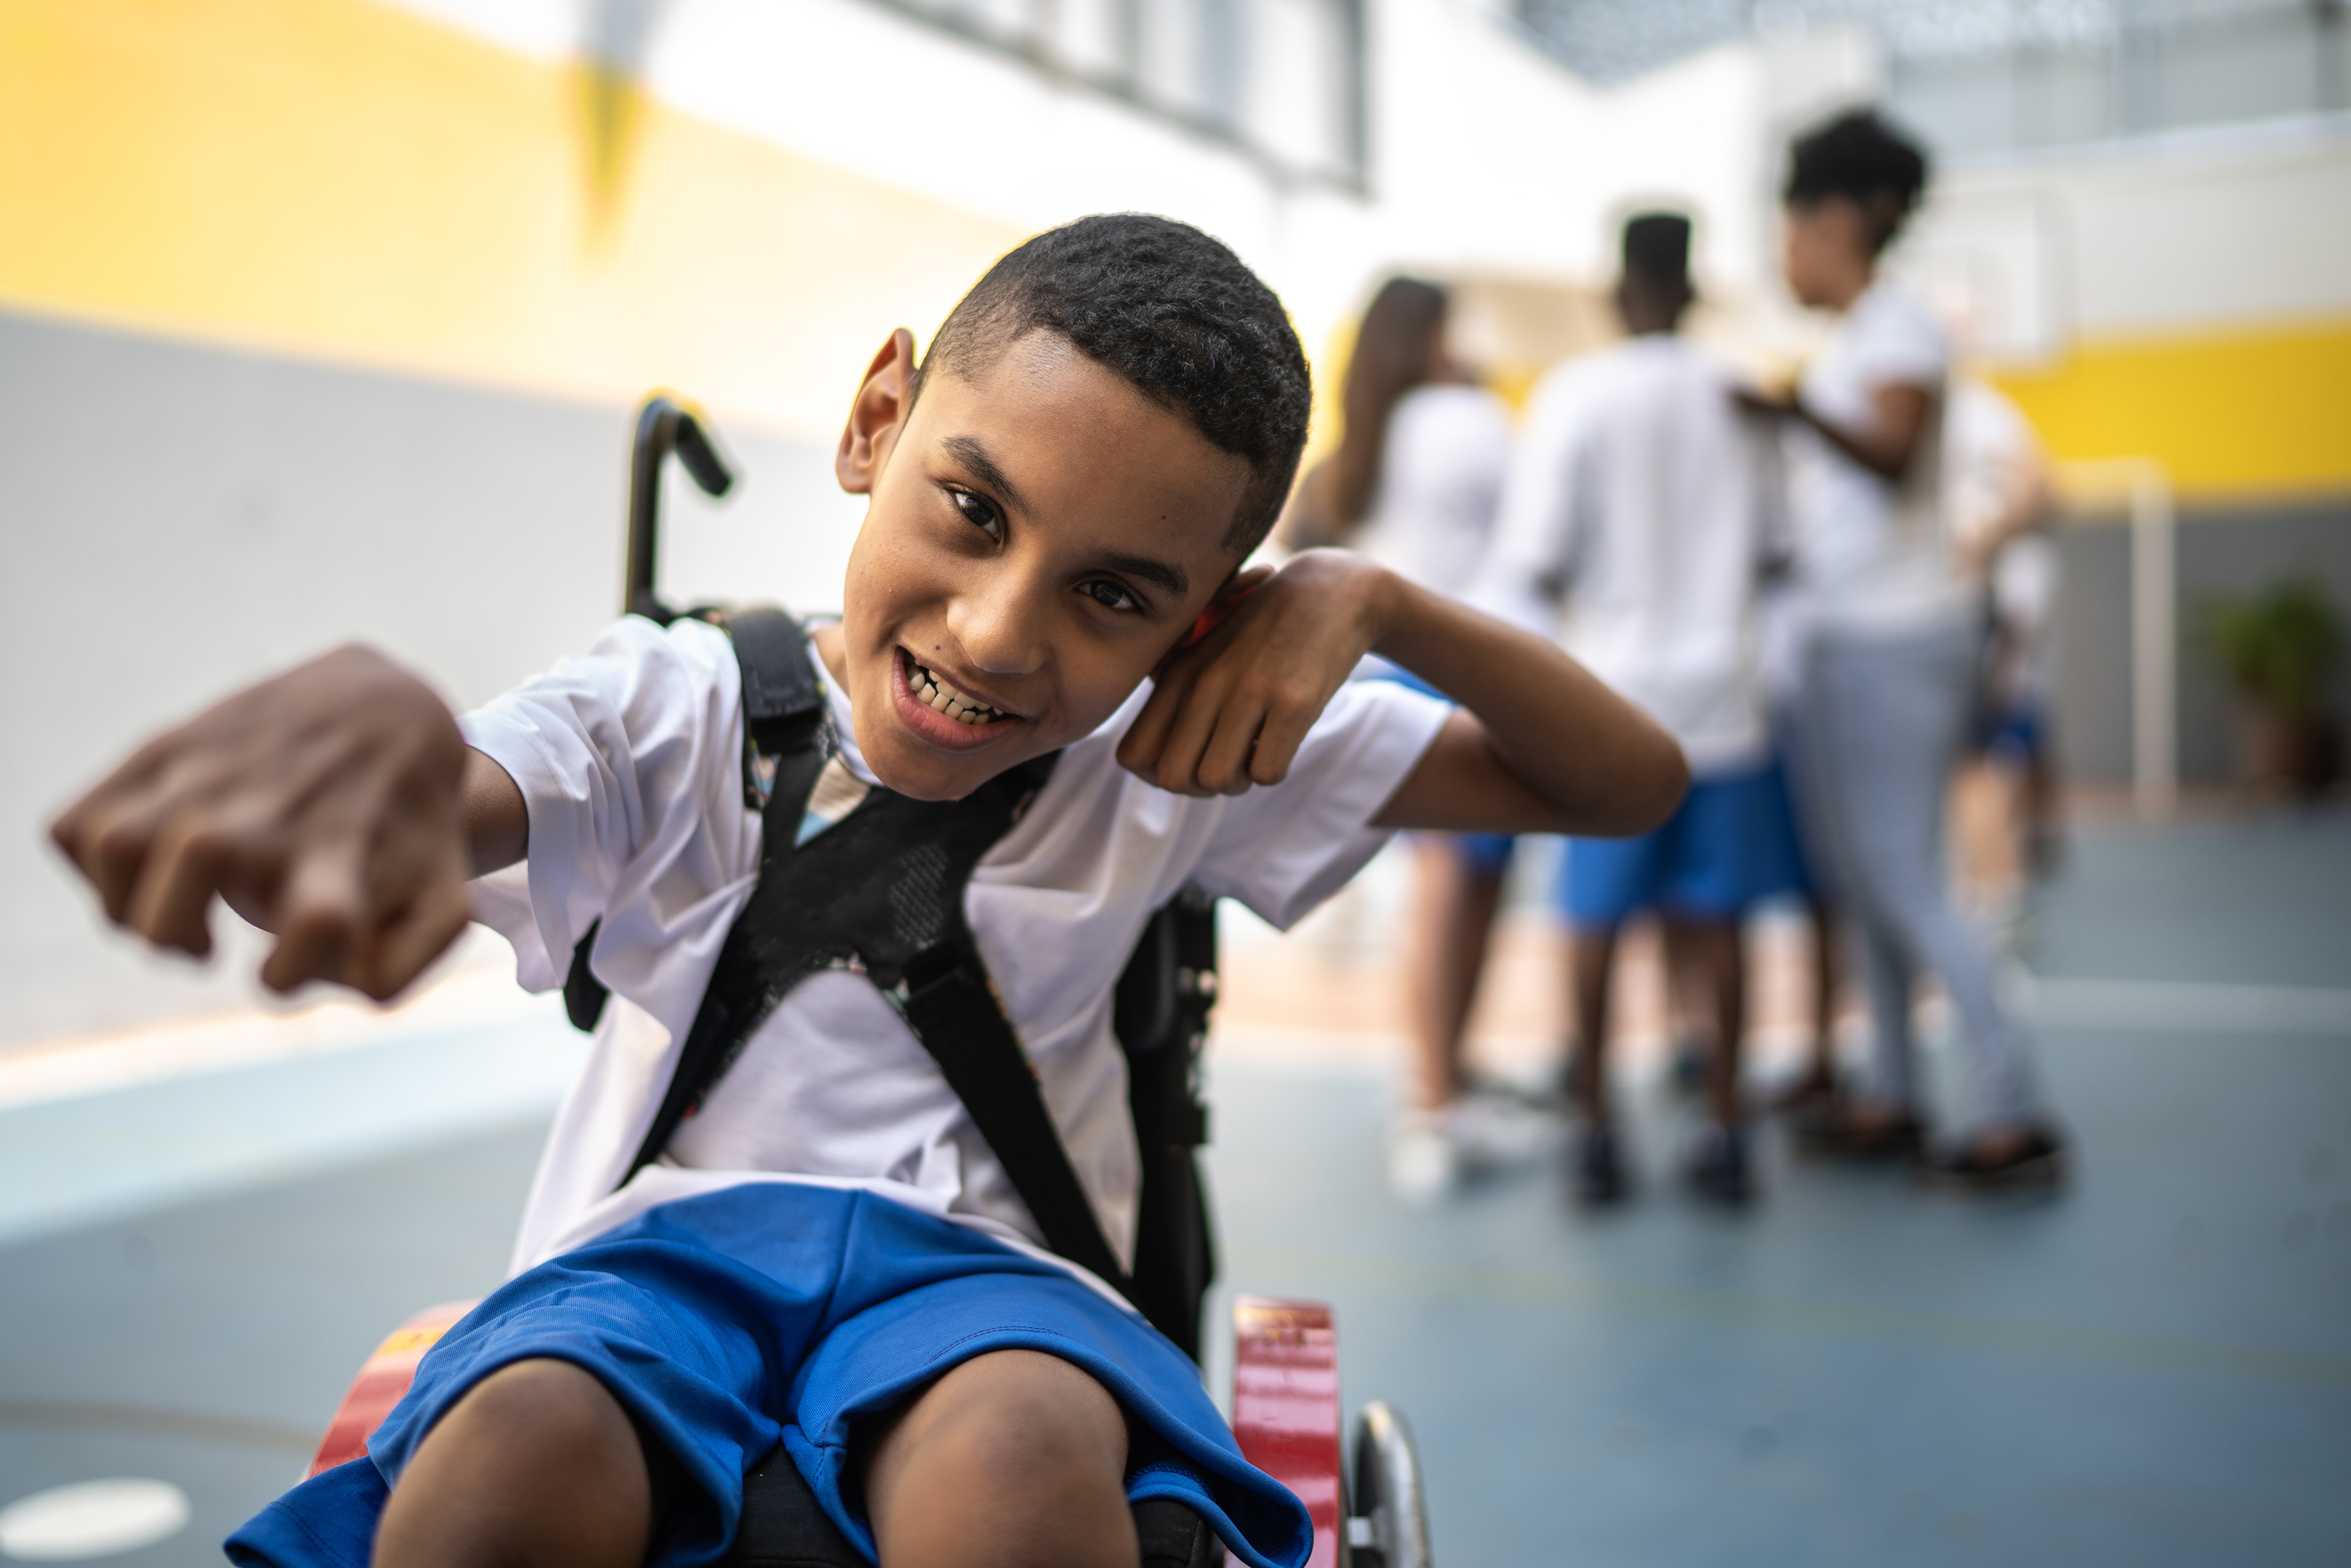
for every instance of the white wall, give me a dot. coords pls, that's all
(2196, 231)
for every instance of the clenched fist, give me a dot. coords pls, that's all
(325, 806)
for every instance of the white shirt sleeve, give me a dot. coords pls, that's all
(1281, 851)
(1536, 530)
(629, 761)
(1896, 342)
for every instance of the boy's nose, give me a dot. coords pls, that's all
(1000, 626)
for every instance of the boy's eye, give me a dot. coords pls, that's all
(1109, 595)
(979, 510)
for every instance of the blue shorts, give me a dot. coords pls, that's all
(1730, 845)
(2012, 732)
(773, 1311)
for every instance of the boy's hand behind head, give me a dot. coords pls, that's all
(1229, 712)
(323, 806)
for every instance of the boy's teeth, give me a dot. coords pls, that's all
(944, 698)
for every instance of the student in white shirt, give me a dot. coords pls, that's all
(1414, 485)
(1997, 481)
(1046, 587)
(1892, 637)
(1633, 520)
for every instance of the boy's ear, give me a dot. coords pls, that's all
(879, 412)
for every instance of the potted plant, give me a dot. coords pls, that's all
(2277, 649)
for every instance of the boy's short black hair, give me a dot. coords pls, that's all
(1656, 247)
(1173, 311)
(1861, 158)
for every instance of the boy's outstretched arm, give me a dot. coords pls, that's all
(1540, 747)
(335, 806)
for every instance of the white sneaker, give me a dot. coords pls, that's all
(1431, 1153)
(1423, 1166)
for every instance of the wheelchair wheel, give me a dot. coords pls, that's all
(1390, 1526)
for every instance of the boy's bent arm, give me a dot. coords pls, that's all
(1543, 746)
(335, 806)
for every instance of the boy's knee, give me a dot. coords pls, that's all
(559, 1414)
(1016, 1450)
(1021, 1416)
(536, 1463)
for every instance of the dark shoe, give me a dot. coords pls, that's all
(2036, 1161)
(1599, 1169)
(1718, 1166)
(1838, 1130)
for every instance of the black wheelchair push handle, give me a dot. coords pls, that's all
(663, 426)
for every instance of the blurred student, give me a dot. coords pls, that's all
(1997, 489)
(1630, 527)
(1889, 659)
(1414, 485)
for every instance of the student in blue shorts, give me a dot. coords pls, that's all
(1632, 525)
(821, 1247)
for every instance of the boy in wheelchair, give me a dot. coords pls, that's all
(819, 889)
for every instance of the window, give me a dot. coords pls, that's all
(1282, 80)
(1988, 77)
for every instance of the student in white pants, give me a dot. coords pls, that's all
(1892, 634)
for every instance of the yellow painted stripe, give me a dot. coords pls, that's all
(334, 178)
(2250, 413)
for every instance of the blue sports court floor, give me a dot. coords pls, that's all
(2153, 1369)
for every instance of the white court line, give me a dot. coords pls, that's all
(2185, 1005)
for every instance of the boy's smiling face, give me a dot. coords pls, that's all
(1041, 534)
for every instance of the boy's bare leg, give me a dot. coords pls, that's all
(537, 1464)
(1594, 958)
(1016, 1458)
(1453, 920)
(1719, 952)
(1827, 972)
(1430, 976)
(1818, 1080)
(1690, 1004)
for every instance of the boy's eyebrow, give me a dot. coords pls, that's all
(1170, 578)
(974, 456)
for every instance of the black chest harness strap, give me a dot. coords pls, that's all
(879, 893)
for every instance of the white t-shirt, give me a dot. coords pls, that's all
(1989, 453)
(630, 761)
(1873, 555)
(1631, 529)
(1440, 479)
